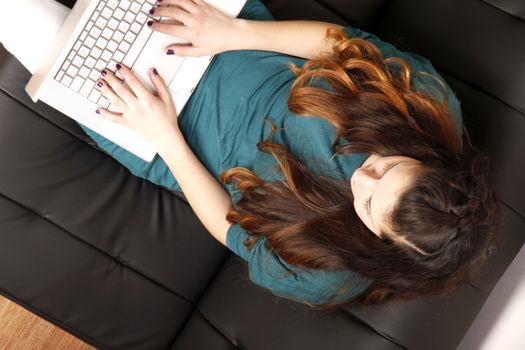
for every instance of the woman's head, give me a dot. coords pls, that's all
(377, 186)
(433, 218)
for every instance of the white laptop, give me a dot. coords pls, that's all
(100, 33)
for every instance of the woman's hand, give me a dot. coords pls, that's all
(209, 30)
(153, 116)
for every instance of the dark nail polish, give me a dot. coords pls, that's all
(118, 66)
(98, 111)
(155, 71)
(159, 0)
(152, 11)
(150, 23)
(104, 72)
(170, 52)
(99, 84)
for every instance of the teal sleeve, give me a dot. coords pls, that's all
(255, 10)
(417, 63)
(268, 270)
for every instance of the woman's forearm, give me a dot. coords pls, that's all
(204, 193)
(304, 39)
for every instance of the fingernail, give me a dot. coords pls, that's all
(150, 23)
(155, 71)
(152, 11)
(104, 72)
(159, 0)
(98, 111)
(99, 84)
(170, 52)
(118, 66)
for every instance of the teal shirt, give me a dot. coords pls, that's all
(224, 120)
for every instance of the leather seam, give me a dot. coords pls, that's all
(116, 259)
(235, 343)
(13, 97)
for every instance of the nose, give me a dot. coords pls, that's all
(365, 180)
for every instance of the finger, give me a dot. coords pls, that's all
(108, 93)
(160, 86)
(185, 50)
(199, 2)
(133, 82)
(114, 117)
(177, 13)
(187, 5)
(179, 31)
(118, 86)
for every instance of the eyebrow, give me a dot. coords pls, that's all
(370, 205)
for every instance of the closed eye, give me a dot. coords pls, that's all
(389, 165)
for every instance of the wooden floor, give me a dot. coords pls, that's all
(23, 330)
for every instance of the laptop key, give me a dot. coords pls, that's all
(77, 83)
(118, 36)
(124, 46)
(106, 13)
(84, 51)
(113, 24)
(112, 4)
(95, 74)
(95, 32)
(129, 17)
(89, 42)
(87, 88)
(95, 95)
(72, 71)
(141, 18)
(107, 33)
(118, 56)
(135, 27)
(103, 102)
(60, 75)
(96, 52)
(118, 14)
(101, 64)
(100, 6)
(124, 4)
(130, 37)
(90, 62)
(84, 72)
(101, 43)
(106, 55)
(123, 27)
(135, 7)
(66, 80)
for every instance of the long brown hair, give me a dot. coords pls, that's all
(450, 213)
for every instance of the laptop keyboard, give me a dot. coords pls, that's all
(116, 32)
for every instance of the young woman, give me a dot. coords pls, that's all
(336, 165)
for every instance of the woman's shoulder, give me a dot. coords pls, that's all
(420, 67)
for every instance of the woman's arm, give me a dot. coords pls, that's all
(206, 196)
(210, 31)
(153, 116)
(304, 39)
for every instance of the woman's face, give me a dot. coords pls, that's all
(377, 185)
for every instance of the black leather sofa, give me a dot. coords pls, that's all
(124, 264)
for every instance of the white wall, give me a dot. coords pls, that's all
(500, 325)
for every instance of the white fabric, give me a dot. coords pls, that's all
(28, 27)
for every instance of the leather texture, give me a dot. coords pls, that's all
(124, 264)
